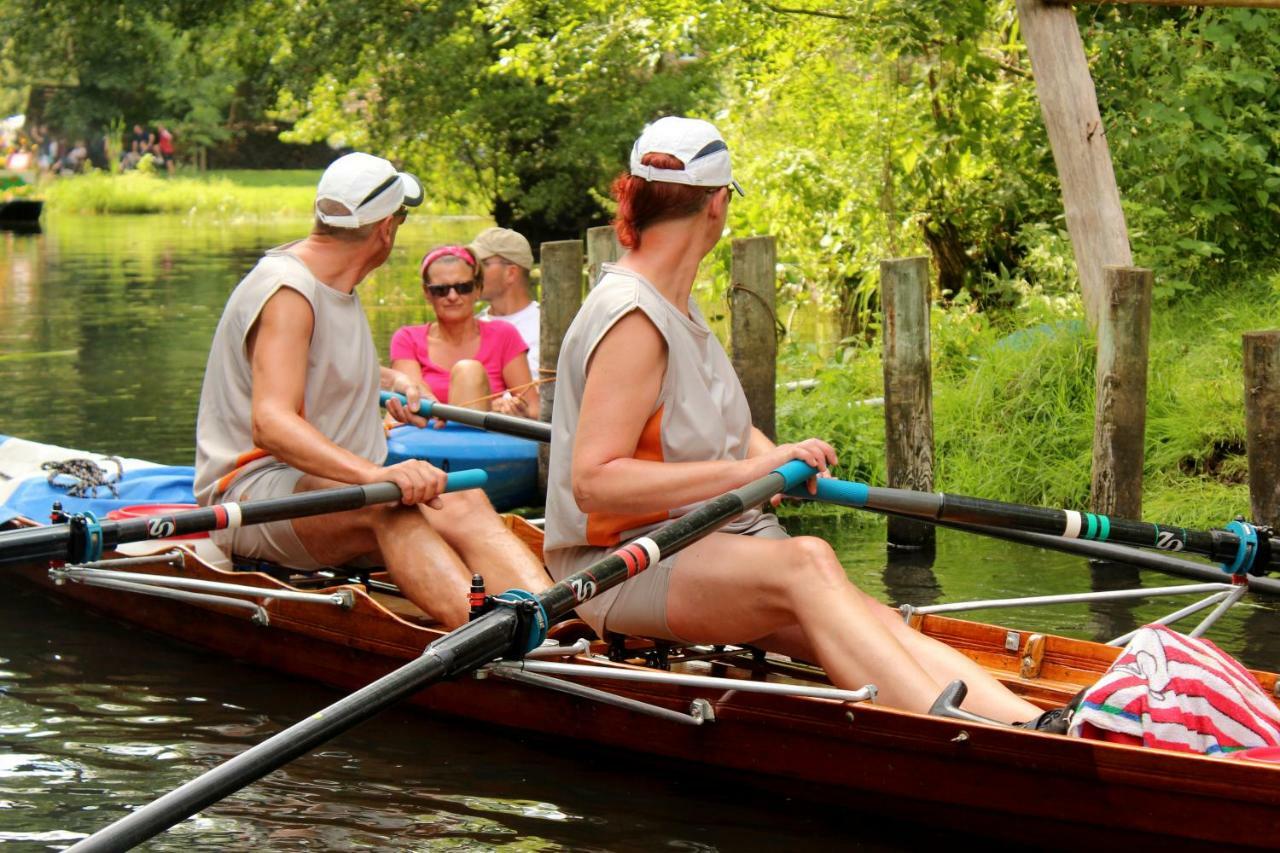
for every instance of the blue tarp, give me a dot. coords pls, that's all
(162, 485)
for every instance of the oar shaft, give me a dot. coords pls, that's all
(496, 633)
(491, 421)
(1220, 545)
(53, 541)
(470, 646)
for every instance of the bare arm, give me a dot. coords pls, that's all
(523, 403)
(624, 379)
(278, 345)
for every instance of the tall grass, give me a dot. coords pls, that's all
(1014, 401)
(239, 192)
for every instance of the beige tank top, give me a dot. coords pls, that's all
(341, 396)
(701, 414)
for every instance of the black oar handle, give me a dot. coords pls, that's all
(83, 540)
(1240, 549)
(491, 421)
(502, 631)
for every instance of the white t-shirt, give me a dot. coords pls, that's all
(527, 321)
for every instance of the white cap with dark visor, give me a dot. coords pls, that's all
(368, 187)
(695, 143)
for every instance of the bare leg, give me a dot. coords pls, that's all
(469, 385)
(469, 525)
(725, 588)
(427, 570)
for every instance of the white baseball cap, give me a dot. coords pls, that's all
(369, 188)
(692, 141)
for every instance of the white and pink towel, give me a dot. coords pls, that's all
(1171, 691)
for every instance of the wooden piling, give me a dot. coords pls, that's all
(754, 339)
(908, 389)
(602, 248)
(1120, 409)
(561, 299)
(1262, 424)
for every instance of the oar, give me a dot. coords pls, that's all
(1242, 548)
(511, 629)
(83, 538)
(492, 421)
(849, 494)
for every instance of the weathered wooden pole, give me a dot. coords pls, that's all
(753, 285)
(908, 389)
(1262, 424)
(1069, 104)
(602, 248)
(1120, 409)
(561, 299)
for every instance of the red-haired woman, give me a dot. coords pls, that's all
(650, 419)
(460, 358)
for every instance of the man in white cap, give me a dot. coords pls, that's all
(505, 259)
(290, 404)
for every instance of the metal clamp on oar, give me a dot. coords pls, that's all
(1249, 549)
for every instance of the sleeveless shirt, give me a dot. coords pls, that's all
(341, 394)
(701, 414)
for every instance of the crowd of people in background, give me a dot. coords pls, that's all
(40, 149)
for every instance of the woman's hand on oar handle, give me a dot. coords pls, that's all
(419, 482)
(413, 392)
(812, 451)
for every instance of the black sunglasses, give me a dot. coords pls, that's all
(440, 291)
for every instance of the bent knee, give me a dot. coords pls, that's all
(815, 561)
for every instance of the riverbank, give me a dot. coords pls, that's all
(1014, 399)
(231, 192)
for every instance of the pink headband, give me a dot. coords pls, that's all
(451, 251)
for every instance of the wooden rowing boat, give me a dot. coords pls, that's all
(346, 630)
(1003, 781)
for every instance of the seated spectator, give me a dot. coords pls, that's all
(460, 358)
(505, 261)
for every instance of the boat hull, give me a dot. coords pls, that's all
(996, 780)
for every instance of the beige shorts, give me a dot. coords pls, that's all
(276, 541)
(638, 607)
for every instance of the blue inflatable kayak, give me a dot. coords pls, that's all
(512, 463)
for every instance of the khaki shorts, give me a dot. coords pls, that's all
(638, 607)
(276, 541)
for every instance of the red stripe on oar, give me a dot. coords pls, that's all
(220, 516)
(628, 556)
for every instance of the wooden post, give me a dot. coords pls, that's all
(753, 287)
(1262, 424)
(1069, 104)
(561, 299)
(1120, 413)
(908, 389)
(602, 248)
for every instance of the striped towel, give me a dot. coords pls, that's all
(1174, 692)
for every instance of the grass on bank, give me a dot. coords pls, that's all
(231, 192)
(1013, 404)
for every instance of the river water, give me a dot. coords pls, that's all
(104, 329)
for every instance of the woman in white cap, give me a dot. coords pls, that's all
(650, 419)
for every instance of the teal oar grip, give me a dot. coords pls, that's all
(424, 405)
(843, 492)
(472, 478)
(794, 473)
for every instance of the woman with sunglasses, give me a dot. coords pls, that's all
(459, 358)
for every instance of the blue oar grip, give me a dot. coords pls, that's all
(472, 478)
(843, 492)
(424, 405)
(794, 473)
